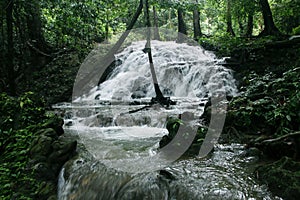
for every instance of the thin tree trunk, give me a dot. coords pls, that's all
(269, 26)
(196, 23)
(110, 58)
(2, 54)
(155, 20)
(10, 48)
(182, 31)
(249, 30)
(107, 27)
(159, 95)
(229, 19)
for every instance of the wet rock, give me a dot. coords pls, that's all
(62, 152)
(164, 141)
(55, 123)
(172, 126)
(138, 94)
(43, 171)
(48, 153)
(166, 174)
(253, 151)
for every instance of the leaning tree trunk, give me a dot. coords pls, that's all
(196, 23)
(155, 21)
(269, 26)
(182, 31)
(229, 19)
(10, 47)
(249, 29)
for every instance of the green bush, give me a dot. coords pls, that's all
(296, 31)
(20, 118)
(268, 104)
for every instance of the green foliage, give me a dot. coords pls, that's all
(268, 104)
(296, 31)
(20, 119)
(224, 44)
(286, 14)
(80, 23)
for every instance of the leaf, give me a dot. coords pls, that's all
(21, 104)
(288, 117)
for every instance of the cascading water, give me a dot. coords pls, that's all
(117, 143)
(182, 71)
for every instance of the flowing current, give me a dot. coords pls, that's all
(119, 136)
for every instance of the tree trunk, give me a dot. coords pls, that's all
(269, 26)
(229, 19)
(10, 47)
(155, 20)
(110, 58)
(34, 26)
(181, 26)
(107, 27)
(2, 83)
(249, 30)
(196, 23)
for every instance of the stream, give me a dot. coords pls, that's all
(118, 147)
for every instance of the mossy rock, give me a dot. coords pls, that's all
(46, 190)
(41, 147)
(56, 123)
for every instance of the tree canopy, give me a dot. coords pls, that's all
(31, 31)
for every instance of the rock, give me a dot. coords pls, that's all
(46, 190)
(42, 147)
(48, 132)
(164, 141)
(56, 123)
(43, 171)
(62, 153)
(172, 127)
(53, 197)
(253, 151)
(166, 174)
(138, 94)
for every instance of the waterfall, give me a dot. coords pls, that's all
(117, 159)
(182, 71)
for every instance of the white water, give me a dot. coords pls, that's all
(182, 71)
(118, 140)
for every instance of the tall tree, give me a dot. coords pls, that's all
(269, 25)
(10, 47)
(229, 18)
(182, 30)
(249, 29)
(34, 25)
(196, 22)
(155, 20)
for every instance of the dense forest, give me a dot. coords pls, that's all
(33, 33)
(44, 42)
